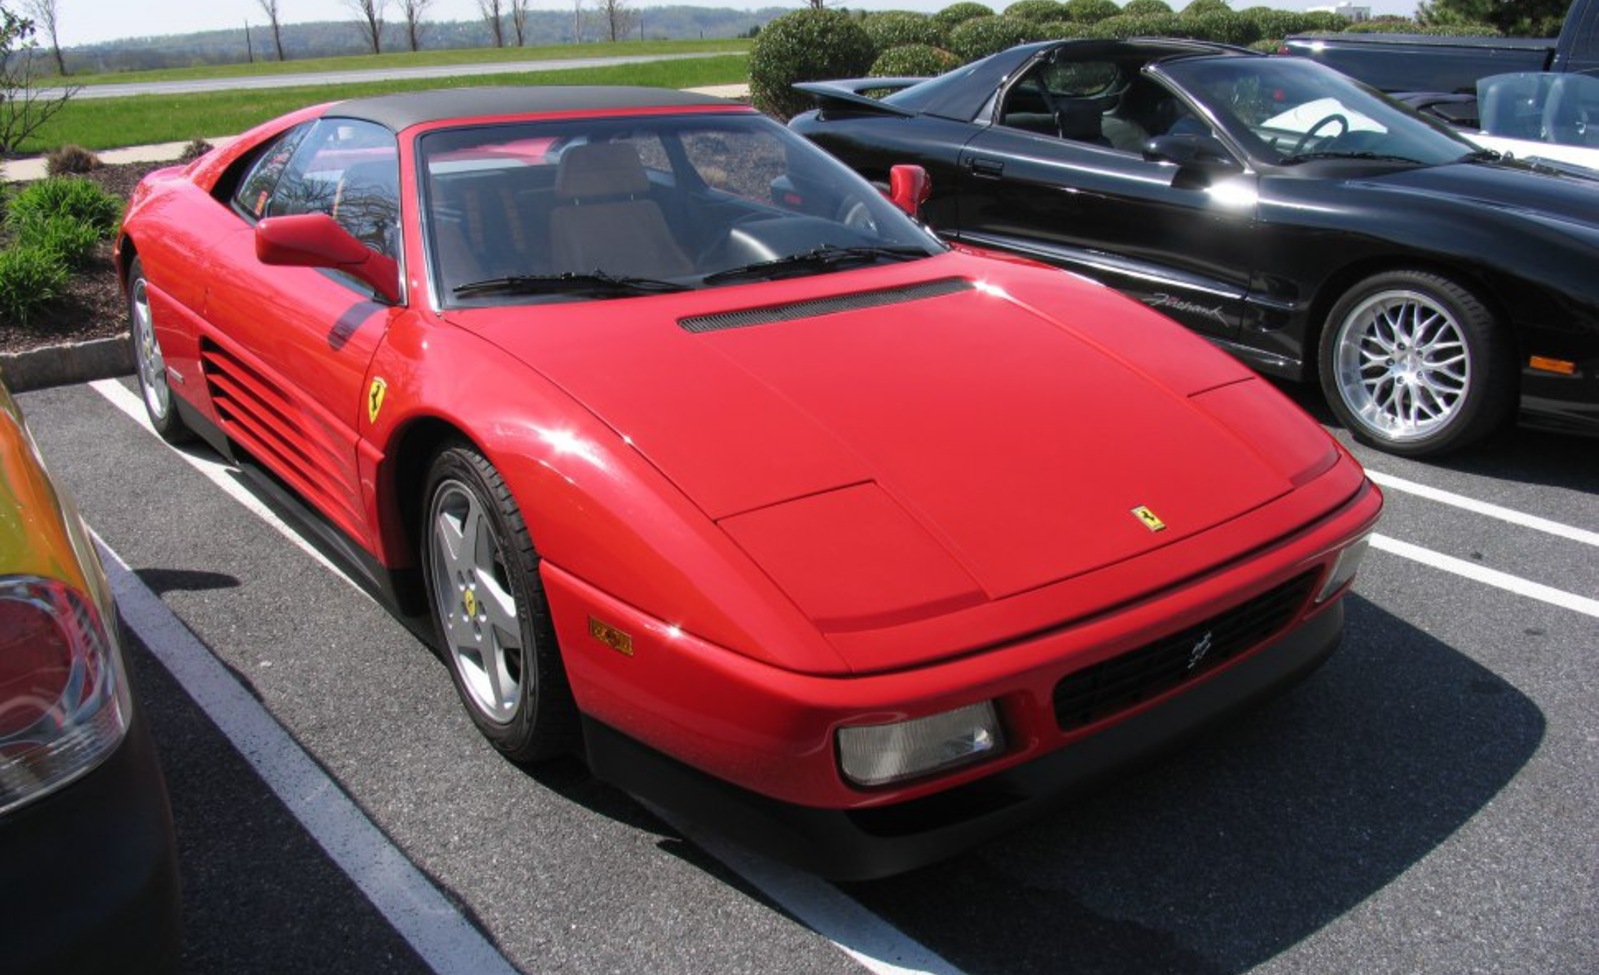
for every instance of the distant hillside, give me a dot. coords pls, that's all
(340, 37)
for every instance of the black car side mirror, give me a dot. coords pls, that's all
(1192, 150)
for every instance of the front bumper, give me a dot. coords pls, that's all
(89, 876)
(861, 844)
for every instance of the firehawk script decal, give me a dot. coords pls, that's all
(1178, 304)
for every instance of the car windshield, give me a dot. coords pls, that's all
(586, 209)
(1286, 111)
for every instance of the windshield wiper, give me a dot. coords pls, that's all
(1298, 158)
(595, 283)
(824, 258)
(1482, 155)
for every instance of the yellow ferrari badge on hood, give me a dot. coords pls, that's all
(1149, 518)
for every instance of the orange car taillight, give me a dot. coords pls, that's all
(63, 701)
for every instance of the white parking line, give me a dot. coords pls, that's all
(1492, 577)
(429, 923)
(868, 939)
(1390, 483)
(876, 945)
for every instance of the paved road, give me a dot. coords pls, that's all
(322, 78)
(1424, 804)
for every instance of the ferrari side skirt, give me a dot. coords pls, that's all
(399, 591)
(875, 842)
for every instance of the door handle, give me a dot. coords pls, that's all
(990, 168)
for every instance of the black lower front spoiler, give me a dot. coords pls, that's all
(869, 843)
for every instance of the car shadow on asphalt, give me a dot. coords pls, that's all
(1514, 453)
(1249, 840)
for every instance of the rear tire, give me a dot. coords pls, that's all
(1414, 364)
(159, 403)
(490, 613)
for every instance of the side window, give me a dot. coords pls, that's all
(349, 170)
(262, 178)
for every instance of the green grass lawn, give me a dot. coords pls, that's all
(108, 123)
(408, 59)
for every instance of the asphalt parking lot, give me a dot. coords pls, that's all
(1426, 803)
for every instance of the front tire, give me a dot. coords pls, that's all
(489, 610)
(1414, 364)
(159, 404)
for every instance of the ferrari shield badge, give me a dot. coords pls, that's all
(1149, 518)
(374, 399)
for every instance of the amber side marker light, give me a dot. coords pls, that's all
(1558, 366)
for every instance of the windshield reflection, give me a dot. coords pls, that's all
(610, 208)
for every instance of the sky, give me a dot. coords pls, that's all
(93, 21)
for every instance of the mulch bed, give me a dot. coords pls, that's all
(92, 306)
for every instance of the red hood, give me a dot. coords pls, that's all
(923, 438)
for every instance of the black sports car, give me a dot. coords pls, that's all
(1293, 216)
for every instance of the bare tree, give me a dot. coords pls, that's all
(270, 8)
(619, 17)
(413, 10)
(45, 14)
(24, 106)
(577, 21)
(519, 20)
(369, 14)
(492, 15)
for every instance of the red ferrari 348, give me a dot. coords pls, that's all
(694, 452)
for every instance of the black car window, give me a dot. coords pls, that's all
(1067, 99)
(348, 169)
(262, 178)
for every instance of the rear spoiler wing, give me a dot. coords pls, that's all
(849, 95)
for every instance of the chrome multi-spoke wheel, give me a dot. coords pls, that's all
(1403, 366)
(493, 623)
(1411, 363)
(152, 367)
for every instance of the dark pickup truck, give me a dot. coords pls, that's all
(1425, 63)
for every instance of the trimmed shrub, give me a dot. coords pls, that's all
(1064, 30)
(959, 13)
(1267, 45)
(30, 278)
(1144, 8)
(1198, 7)
(70, 159)
(1227, 28)
(1091, 11)
(1148, 25)
(807, 45)
(1325, 20)
(897, 28)
(67, 196)
(1278, 23)
(1038, 11)
(913, 60)
(982, 36)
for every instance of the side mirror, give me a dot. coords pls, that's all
(909, 187)
(1195, 150)
(317, 240)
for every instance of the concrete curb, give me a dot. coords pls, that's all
(68, 363)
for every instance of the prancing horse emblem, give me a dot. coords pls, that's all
(1199, 650)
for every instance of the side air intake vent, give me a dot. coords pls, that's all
(823, 306)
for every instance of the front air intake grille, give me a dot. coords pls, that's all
(1098, 692)
(823, 306)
